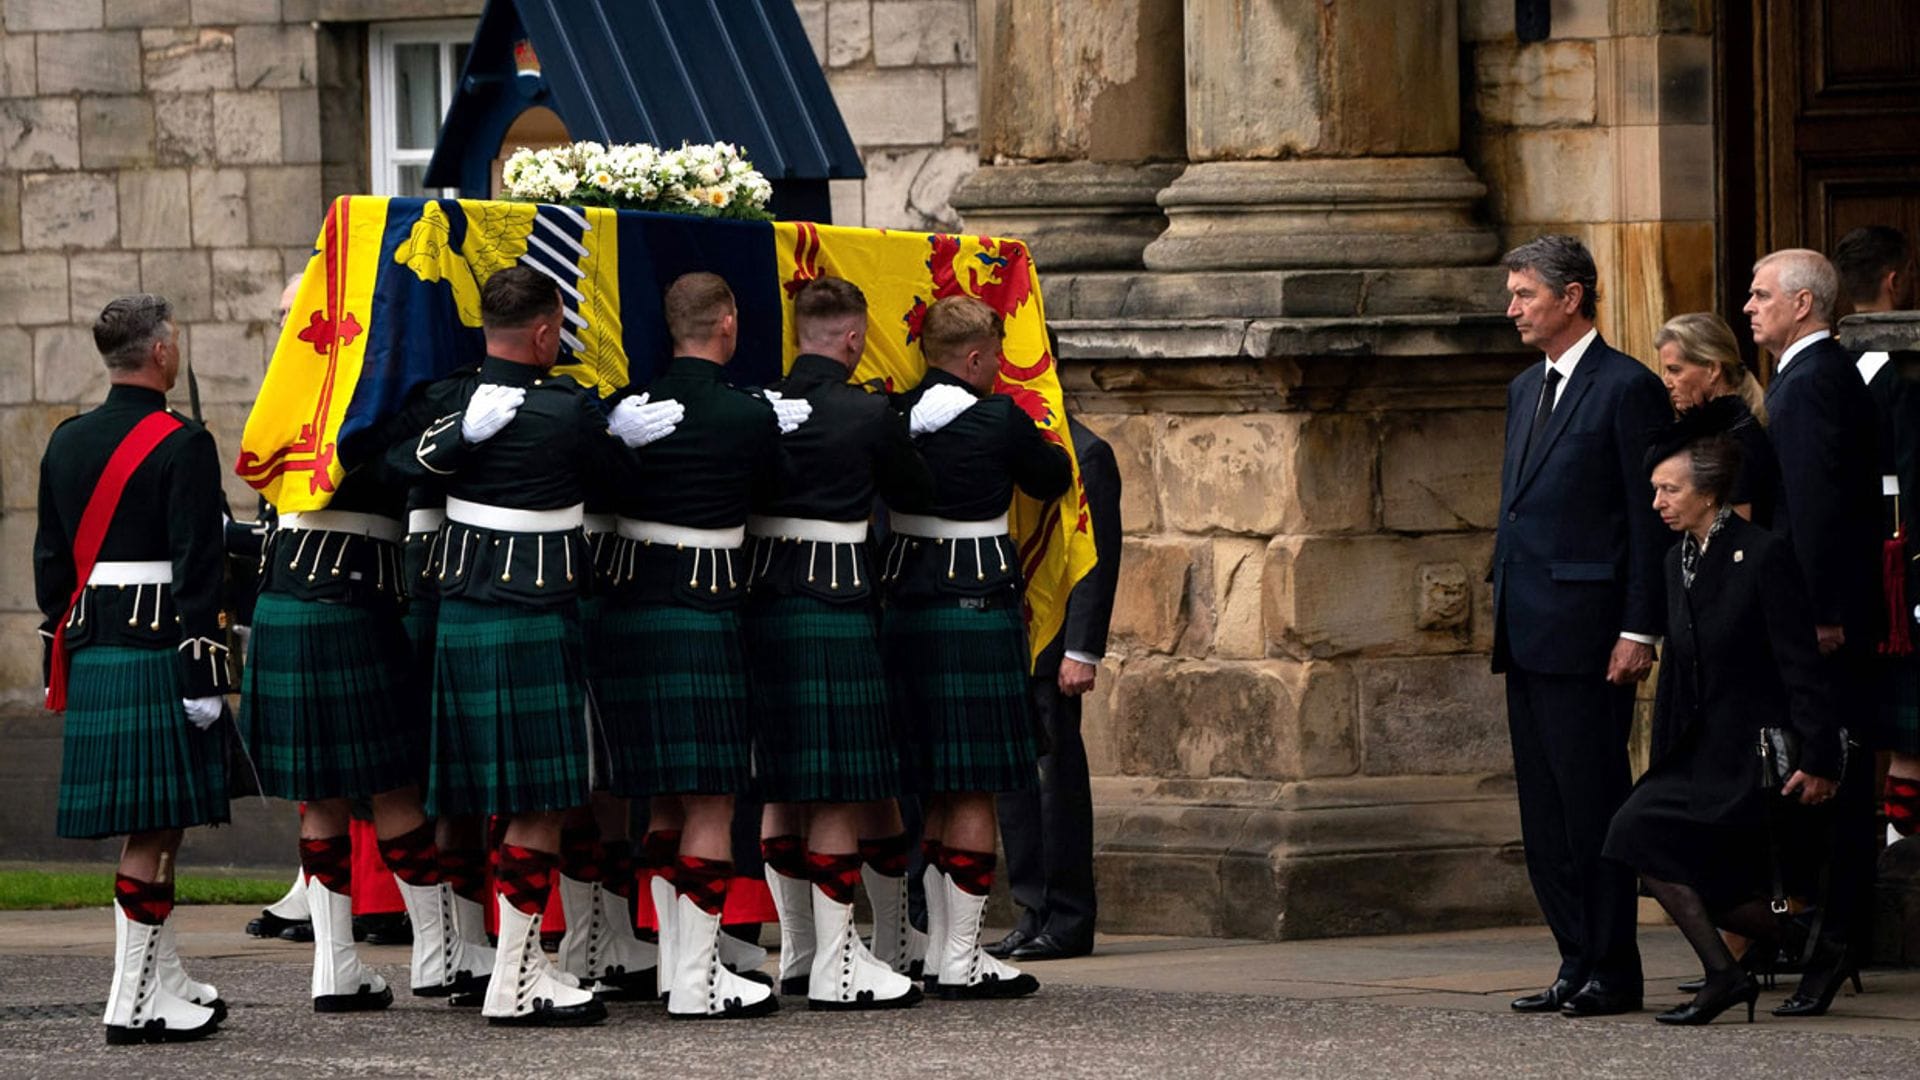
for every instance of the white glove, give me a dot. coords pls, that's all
(490, 409)
(203, 711)
(937, 408)
(789, 414)
(638, 422)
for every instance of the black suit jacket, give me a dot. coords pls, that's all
(1090, 605)
(1577, 556)
(1740, 656)
(1824, 428)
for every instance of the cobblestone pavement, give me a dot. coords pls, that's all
(1162, 1008)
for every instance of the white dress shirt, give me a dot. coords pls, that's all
(1795, 349)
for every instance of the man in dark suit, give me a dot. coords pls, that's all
(1822, 420)
(1048, 830)
(1578, 607)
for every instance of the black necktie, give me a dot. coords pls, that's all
(1544, 412)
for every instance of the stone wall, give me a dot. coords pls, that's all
(1605, 131)
(905, 77)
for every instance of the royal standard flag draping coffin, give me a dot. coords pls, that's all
(391, 300)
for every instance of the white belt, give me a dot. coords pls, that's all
(343, 521)
(157, 572)
(793, 528)
(659, 532)
(505, 519)
(425, 520)
(934, 528)
(598, 523)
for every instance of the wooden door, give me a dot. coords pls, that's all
(1819, 116)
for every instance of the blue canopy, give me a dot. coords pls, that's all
(655, 71)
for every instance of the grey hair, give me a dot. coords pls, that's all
(127, 328)
(1715, 463)
(1806, 269)
(1559, 261)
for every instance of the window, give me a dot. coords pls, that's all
(412, 69)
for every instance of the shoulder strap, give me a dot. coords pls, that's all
(138, 445)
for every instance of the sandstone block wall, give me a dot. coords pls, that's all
(905, 76)
(1302, 596)
(1604, 131)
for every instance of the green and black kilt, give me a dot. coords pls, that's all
(130, 761)
(959, 679)
(327, 707)
(510, 724)
(1900, 705)
(675, 701)
(819, 697)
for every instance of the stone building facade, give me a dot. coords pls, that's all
(1266, 231)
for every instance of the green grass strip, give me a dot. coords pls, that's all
(40, 890)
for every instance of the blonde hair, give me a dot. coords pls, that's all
(1705, 339)
(956, 324)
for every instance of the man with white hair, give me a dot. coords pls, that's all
(1823, 429)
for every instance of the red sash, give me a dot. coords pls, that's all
(133, 450)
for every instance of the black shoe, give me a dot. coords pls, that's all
(269, 925)
(365, 999)
(796, 985)
(1597, 1000)
(990, 989)
(1548, 1000)
(1827, 972)
(157, 1031)
(1761, 960)
(585, 1014)
(1732, 988)
(300, 933)
(388, 928)
(1045, 946)
(1003, 948)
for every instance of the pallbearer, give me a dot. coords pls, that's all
(677, 710)
(513, 451)
(956, 645)
(127, 567)
(826, 743)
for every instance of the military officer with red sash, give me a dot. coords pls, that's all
(128, 566)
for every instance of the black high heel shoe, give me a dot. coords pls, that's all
(1761, 960)
(1737, 987)
(1829, 970)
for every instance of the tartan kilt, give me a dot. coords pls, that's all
(326, 707)
(422, 613)
(510, 724)
(820, 702)
(130, 761)
(676, 703)
(1900, 705)
(960, 697)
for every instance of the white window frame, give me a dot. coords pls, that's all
(387, 159)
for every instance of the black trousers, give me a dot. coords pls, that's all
(1852, 831)
(1570, 767)
(1047, 830)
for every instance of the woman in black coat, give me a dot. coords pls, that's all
(1740, 656)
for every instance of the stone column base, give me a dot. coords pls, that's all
(1323, 213)
(1080, 215)
(1315, 858)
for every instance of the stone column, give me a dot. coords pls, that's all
(1080, 127)
(1323, 133)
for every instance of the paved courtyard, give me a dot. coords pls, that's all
(1429, 1005)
